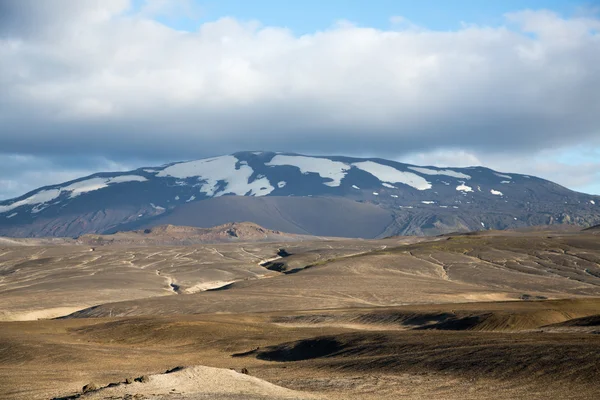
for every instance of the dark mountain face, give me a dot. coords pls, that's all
(333, 196)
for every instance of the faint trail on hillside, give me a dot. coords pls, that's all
(173, 287)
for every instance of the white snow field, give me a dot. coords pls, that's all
(464, 188)
(90, 185)
(213, 170)
(77, 188)
(447, 172)
(391, 175)
(327, 169)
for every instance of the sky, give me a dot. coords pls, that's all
(112, 85)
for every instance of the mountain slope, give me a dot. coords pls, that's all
(387, 198)
(322, 216)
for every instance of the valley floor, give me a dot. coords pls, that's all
(507, 316)
(389, 353)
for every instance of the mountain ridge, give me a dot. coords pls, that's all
(421, 200)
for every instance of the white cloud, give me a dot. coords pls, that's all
(94, 77)
(458, 88)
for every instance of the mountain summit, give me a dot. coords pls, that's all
(317, 195)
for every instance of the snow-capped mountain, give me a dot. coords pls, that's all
(335, 196)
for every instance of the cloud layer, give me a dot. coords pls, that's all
(96, 78)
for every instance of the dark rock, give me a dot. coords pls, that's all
(143, 379)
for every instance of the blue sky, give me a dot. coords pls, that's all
(308, 16)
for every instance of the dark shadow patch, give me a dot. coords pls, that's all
(458, 324)
(283, 253)
(175, 287)
(224, 287)
(296, 270)
(178, 368)
(245, 353)
(302, 350)
(71, 397)
(592, 320)
(529, 297)
(275, 266)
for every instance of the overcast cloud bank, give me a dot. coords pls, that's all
(90, 80)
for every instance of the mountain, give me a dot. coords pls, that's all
(325, 196)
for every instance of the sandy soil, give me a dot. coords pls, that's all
(388, 319)
(201, 382)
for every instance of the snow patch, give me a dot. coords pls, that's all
(505, 182)
(93, 184)
(77, 188)
(447, 172)
(192, 198)
(482, 224)
(157, 208)
(325, 168)
(503, 175)
(391, 175)
(428, 202)
(39, 198)
(394, 196)
(496, 192)
(592, 201)
(375, 194)
(387, 185)
(11, 215)
(281, 184)
(355, 187)
(90, 185)
(176, 197)
(220, 169)
(464, 188)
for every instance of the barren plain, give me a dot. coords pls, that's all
(497, 315)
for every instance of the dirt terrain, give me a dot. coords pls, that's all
(170, 235)
(512, 315)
